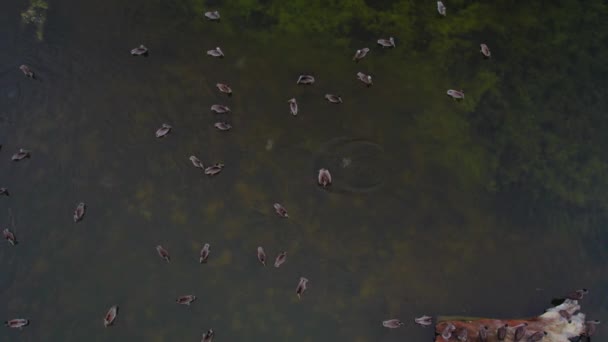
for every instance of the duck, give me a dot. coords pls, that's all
(163, 130)
(20, 155)
(214, 169)
(217, 52)
(293, 106)
(333, 98)
(140, 51)
(306, 79)
(392, 323)
(424, 320)
(441, 8)
(27, 71)
(196, 162)
(456, 94)
(222, 126)
(220, 109)
(360, 54)
(208, 336)
(387, 43)
(485, 51)
(366, 79)
(212, 15)
(324, 178)
(224, 88)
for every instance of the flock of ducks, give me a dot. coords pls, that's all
(324, 179)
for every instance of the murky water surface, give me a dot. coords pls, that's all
(486, 207)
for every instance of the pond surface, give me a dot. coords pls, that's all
(490, 206)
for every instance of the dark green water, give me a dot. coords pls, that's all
(486, 207)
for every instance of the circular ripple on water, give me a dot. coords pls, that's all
(356, 165)
(10, 100)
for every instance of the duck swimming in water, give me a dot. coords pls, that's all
(27, 71)
(485, 51)
(261, 255)
(20, 155)
(366, 79)
(163, 253)
(441, 8)
(185, 300)
(204, 254)
(360, 54)
(280, 210)
(212, 15)
(163, 130)
(306, 79)
(17, 323)
(9, 236)
(293, 106)
(456, 94)
(214, 169)
(224, 88)
(110, 316)
(280, 259)
(302, 286)
(324, 178)
(387, 43)
(424, 320)
(217, 52)
(220, 109)
(196, 162)
(222, 126)
(392, 323)
(79, 212)
(208, 336)
(333, 98)
(139, 51)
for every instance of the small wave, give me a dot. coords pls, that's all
(357, 165)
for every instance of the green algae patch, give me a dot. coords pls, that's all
(211, 208)
(224, 259)
(501, 140)
(145, 191)
(143, 196)
(178, 216)
(35, 15)
(41, 266)
(251, 196)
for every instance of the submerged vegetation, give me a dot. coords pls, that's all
(36, 15)
(534, 117)
(406, 227)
